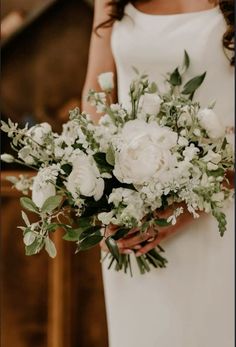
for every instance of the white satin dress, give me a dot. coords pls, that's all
(191, 302)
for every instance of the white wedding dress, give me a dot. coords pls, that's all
(191, 302)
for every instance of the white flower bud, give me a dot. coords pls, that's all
(150, 103)
(105, 81)
(7, 158)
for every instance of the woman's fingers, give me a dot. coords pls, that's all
(161, 236)
(134, 241)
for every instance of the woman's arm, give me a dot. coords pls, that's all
(100, 56)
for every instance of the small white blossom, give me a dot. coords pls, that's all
(150, 104)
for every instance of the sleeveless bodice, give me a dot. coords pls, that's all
(155, 44)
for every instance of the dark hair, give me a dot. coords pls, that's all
(226, 6)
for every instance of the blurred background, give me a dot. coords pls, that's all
(44, 302)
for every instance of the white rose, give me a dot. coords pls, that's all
(150, 104)
(143, 151)
(39, 131)
(41, 192)
(211, 123)
(85, 178)
(105, 81)
(7, 158)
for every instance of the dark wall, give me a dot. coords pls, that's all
(43, 72)
(44, 67)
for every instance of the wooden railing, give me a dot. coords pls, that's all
(58, 293)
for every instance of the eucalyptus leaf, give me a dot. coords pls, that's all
(191, 86)
(28, 204)
(175, 78)
(29, 238)
(35, 247)
(113, 248)
(51, 203)
(50, 247)
(90, 242)
(25, 218)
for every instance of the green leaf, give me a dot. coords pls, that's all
(73, 234)
(51, 203)
(67, 168)
(191, 86)
(25, 218)
(50, 247)
(35, 247)
(90, 242)
(84, 222)
(29, 238)
(162, 222)
(186, 62)
(120, 233)
(216, 173)
(90, 231)
(224, 144)
(113, 248)
(28, 204)
(102, 163)
(54, 226)
(175, 78)
(135, 70)
(110, 156)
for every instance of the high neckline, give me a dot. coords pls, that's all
(183, 14)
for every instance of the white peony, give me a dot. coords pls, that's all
(105, 81)
(85, 178)
(142, 151)
(39, 131)
(150, 104)
(211, 123)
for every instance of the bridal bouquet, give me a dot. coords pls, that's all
(164, 149)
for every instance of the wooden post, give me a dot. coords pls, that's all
(59, 309)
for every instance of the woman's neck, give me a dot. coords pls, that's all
(163, 7)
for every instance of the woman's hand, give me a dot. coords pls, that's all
(134, 240)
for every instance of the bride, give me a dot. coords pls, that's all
(189, 303)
